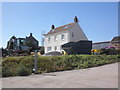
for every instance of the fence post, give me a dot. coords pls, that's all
(35, 62)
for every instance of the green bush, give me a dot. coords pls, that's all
(13, 66)
(6, 72)
(110, 51)
(45, 64)
(28, 62)
(23, 71)
(9, 66)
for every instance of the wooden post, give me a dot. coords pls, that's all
(35, 62)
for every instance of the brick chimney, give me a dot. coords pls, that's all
(76, 19)
(52, 27)
(30, 34)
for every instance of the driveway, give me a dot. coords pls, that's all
(98, 77)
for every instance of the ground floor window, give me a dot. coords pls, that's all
(48, 48)
(55, 48)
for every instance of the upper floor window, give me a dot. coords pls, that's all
(62, 37)
(72, 34)
(49, 39)
(55, 38)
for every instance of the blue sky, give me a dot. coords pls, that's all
(99, 20)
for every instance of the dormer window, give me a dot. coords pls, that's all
(62, 37)
(66, 26)
(53, 30)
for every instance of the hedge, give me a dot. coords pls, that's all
(14, 66)
(110, 51)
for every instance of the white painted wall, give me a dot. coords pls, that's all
(77, 32)
(57, 42)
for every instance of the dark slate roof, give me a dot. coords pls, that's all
(31, 38)
(116, 39)
(101, 42)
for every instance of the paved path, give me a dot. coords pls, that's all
(99, 77)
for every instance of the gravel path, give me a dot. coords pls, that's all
(98, 77)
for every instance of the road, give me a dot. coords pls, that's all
(98, 77)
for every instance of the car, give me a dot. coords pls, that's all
(53, 53)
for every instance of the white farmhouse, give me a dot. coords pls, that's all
(56, 37)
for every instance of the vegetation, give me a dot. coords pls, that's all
(106, 51)
(14, 66)
(110, 51)
(23, 71)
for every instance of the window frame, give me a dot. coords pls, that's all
(55, 38)
(55, 48)
(72, 34)
(49, 39)
(49, 48)
(62, 37)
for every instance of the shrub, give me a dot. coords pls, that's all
(110, 51)
(6, 72)
(23, 71)
(45, 64)
(28, 62)
(9, 66)
(13, 66)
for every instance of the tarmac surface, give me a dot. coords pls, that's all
(105, 76)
